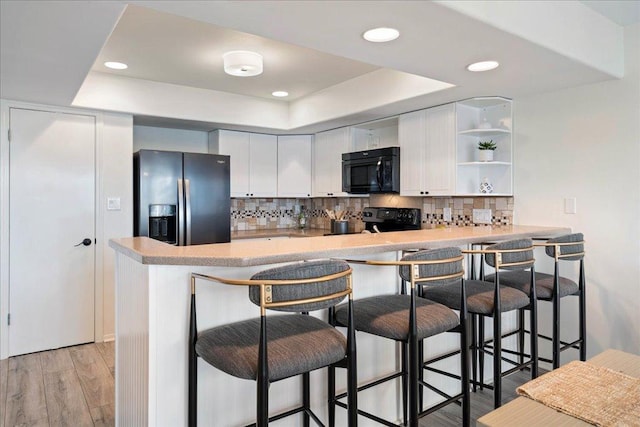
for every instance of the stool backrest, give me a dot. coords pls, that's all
(445, 268)
(518, 253)
(566, 252)
(313, 289)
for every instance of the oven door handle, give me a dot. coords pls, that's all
(379, 171)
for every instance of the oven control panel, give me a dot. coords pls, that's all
(392, 219)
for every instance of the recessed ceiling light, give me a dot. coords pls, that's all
(381, 35)
(116, 65)
(242, 63)
(280, 93)
(483, 66)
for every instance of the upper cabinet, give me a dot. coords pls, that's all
(294, 165)
(428, 152)
(372, 135)
(254, 161)
(439, 154)
(489, 120)
(327, 162)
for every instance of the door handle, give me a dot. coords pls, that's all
(85, 242)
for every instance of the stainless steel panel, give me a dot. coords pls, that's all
(208, 175)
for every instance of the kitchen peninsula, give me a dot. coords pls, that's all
(152, 312)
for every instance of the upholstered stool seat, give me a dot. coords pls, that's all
(480, 297)
(297, 344)
(520, 280)
(386, 316)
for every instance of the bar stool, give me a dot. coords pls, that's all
(275, 347)
(554, 287)
(487, 299)
(409, 319)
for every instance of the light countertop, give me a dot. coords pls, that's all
(278, 232)
(241, 253)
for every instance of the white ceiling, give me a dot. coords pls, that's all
(52, 53)
(162, 47)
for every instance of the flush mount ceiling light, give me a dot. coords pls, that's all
(242, 63)
(280, 93)
(116, 65)
(381, 35)
(483, 66)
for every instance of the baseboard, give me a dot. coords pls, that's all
(109, 337)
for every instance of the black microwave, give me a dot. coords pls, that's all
(371, 171)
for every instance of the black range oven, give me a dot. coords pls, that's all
(391, 219)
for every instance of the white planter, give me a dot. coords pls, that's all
(485, 155)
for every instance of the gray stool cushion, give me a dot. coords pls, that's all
(388, 316)
(296, 343)
(544, 283)
(479, 297)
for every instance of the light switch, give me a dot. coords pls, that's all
(570, 205)
(113, 203)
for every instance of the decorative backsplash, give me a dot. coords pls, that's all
(261, 214)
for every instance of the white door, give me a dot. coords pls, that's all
(51, 211)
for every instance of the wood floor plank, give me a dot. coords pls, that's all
(26, 402)
(39, 392)
(44, 422)
(95, 378)
(108, 352)
(55, 360)
(66, 404)
(4, 371)
(104, 416)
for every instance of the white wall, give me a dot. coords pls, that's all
(116, 180)
(584, 142)
(155, 138)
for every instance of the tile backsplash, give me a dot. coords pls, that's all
(261, 214)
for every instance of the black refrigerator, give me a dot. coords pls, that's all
(181, 198)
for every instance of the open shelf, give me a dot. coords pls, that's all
(484, 163)
(484, 132)
(494, 115)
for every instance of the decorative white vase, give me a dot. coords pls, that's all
(485, 155)
(485, 186)
(484, 125)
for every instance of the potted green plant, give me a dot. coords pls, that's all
(486, 149)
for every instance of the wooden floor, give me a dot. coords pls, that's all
(481, 403)
(74, 386)
(71, 386)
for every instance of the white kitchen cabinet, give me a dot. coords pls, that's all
(327, 162)
(428, 152)
(254, 161)
(294, 166)
(376, 134)
(484, 119)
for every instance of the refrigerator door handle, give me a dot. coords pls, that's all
(187, 198)
(179, 222)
